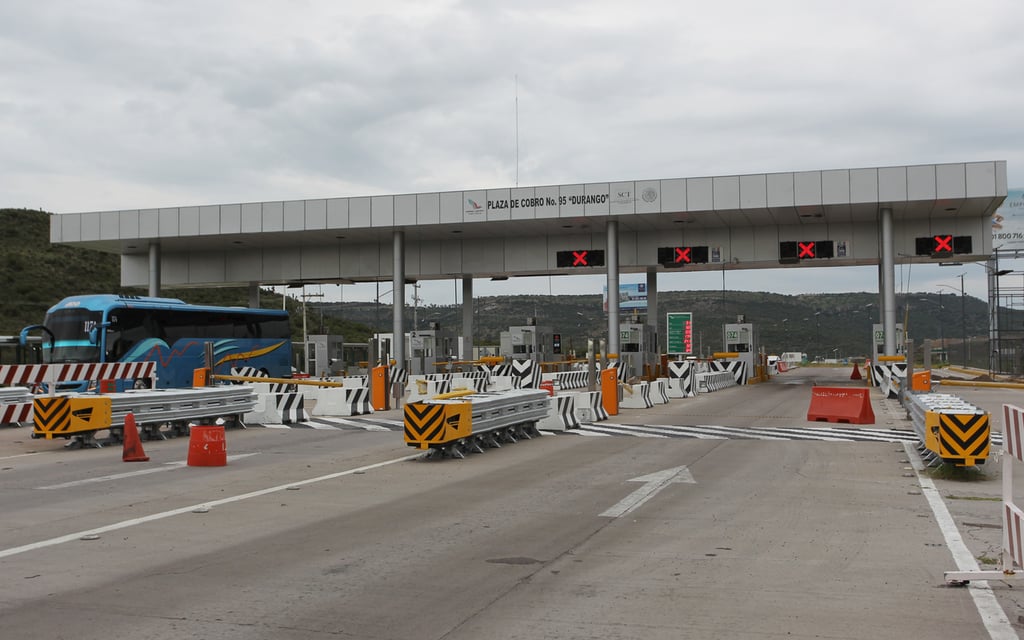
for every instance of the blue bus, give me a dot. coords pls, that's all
(168, 332)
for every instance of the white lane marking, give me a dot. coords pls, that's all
(167, 466)
(582, 431)
(654, 482)
(368, 426)
(621, 430)
(991, 612)
(124, 524)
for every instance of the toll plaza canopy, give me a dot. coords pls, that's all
(833, 217)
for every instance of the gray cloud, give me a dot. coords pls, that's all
(118, 104)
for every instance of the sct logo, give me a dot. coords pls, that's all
(473, 205)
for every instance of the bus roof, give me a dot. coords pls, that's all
(101, 301)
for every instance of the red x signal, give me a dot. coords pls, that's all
(943, 243)
(806, 250)
(579, 258)
(682, 254)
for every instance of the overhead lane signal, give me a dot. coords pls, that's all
(580, 258)
(682, 256)
(942, 245)
(791, 252)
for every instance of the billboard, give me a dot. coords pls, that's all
(1008, 222)
(631, 296)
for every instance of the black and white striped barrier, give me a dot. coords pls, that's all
(889, 378)
(275, 407)
(737, 368)
(476, 383)
(424, 389)
(681, 379)
(636, 396)
(338, 401)
(561, 414)
(276, 403)
(568, 380)
(399, 376)
(620, 369)
(528, 374)
(588, 405)
(253, 372)
(659, 391)
(715, 381)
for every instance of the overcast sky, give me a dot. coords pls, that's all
(126, 104)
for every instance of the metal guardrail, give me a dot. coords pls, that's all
(471, 422)
(81, 416)
(175, 405)
(950, 429)
(15, 395)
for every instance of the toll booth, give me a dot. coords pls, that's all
(423, 349)
(742, 338)
(878, 341)
(324, 355)
(530, 342)
(638, 348)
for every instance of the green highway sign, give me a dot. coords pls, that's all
(680, 332)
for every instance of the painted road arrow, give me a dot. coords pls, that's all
(653, 483)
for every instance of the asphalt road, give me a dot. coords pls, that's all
(725, 530)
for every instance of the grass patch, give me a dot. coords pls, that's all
(953, 472)
(987, 560)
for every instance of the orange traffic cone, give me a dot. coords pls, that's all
(856, 373)
(132, 450)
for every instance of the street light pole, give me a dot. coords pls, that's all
(963, 318)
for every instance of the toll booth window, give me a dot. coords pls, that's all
(631, 347)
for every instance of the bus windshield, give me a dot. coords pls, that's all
(70, 329)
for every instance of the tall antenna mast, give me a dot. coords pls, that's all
(517, 130)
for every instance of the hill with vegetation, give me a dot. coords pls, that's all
(35, 274)
(823, 326)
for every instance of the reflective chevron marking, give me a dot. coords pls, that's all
(964, 437)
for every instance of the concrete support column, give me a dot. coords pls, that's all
(154, 269)
(888, 281)
(467, 318)
(254, 295)
(398, 299)
(652, 302)
(612, 265)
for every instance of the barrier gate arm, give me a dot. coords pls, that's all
(298, 381)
